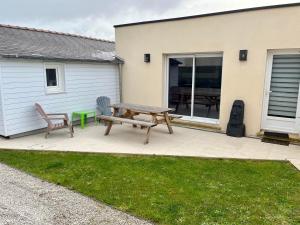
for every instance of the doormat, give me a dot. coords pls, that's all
(276, 138)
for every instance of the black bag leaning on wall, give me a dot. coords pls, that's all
(236, 126)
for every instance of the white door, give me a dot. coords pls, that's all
(281, 111)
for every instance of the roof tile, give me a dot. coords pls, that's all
(22, 42)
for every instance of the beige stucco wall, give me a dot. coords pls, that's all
(256, 31)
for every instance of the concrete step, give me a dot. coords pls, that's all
(293, 138)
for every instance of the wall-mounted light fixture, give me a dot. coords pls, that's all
(243, 55)
(147, 58)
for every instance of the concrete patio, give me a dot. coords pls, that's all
(184, 142)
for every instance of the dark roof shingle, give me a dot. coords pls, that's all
(20, 42)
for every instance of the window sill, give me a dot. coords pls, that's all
(55, 92)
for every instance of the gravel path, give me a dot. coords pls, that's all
(27, 200)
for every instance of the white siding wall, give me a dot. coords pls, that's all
(2, 128)
(23, 84)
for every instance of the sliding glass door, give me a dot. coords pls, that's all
(194, 87)
(180, 84)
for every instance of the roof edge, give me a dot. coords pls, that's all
(54, 32)
(116, 60)
(209, 14)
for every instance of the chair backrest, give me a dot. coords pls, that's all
(40, 110)
(103, 105)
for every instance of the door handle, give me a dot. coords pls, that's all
(267, 93)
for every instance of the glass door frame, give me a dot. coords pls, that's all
(166, 88)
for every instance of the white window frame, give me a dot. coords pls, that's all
(60, 77)
(166, 86)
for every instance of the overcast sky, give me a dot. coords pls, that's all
(96, 17)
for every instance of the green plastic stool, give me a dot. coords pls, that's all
(84, 115)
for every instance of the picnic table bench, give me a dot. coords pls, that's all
(111, 119)
(158, 115)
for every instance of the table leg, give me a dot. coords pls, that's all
(167, 119)
(147, 136)
(115, 111)
(131, 117)
(95, 118)
(154, 119)
(82, 117)
(108, 128)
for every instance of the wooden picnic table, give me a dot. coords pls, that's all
(159, 114)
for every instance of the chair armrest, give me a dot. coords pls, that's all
(59, 114)
(49, 120)
(53, 118)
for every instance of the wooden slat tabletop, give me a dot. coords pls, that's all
(142, 108)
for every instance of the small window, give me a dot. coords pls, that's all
(54, 79)
(51, 77)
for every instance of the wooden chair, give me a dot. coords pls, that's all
(103, 106)
(55, 121)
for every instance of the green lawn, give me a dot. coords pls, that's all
(171, 190)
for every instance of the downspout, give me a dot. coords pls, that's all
(120, 81)
(120, 63)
